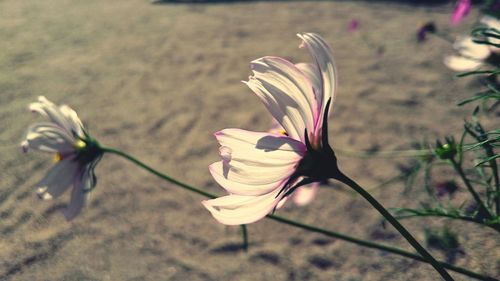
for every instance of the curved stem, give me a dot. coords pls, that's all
(457, 217)
(302, 225)
(384, 154)
(467, 183)
(348, 181)
(373, 245)
(155, 172)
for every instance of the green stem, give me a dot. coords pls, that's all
(302, 225)
(244, 233)
(423, 252)
(373, 245)
(174, 181)
(155, 172)
(383, 154)
(467, 183)
(457, 217)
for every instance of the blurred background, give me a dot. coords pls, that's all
(158, 79)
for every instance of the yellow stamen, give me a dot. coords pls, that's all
(79, 144)
(283, 132)
(57, 157)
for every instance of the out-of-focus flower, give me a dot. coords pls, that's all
(462, 9)
(473, 55)
(422, 32)
(302, 195)
(353, 26)
(446, 187)
(260, 169)
(76, 154)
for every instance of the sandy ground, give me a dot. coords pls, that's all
(159, 80)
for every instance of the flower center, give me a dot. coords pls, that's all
(79, 144)
(283, 132)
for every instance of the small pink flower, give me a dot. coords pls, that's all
(260, 169)
(353, 26)
(462, 9)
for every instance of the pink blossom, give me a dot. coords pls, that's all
(353, 26)
(462, 9)
(260, 169)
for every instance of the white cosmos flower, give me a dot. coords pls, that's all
(259, 168)
(471, 55)
(303, 195)
(76, 154)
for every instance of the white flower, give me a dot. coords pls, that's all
(472, 55)
(303, 195)
(259, 170)
(76, 154)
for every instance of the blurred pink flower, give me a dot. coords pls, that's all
(353, 25)
(259, 169)
(75, 154)
(462, 9)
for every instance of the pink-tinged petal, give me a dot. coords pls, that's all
(287, 93)
(277, 147)
(276, 128)
(459, 63)
(255, 163)
(282, 202)
(305, 194)
(238, 209)
(469, 49)
(58, 179)
(462, 9)
(249, 181)
(323, 58)
(312, 73)
(49, 109)
(78, 196)
(48, 137)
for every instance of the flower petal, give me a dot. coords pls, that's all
(312, 73)
(248, 181)
(261, 142)
(459, 63)
(492, 22)
(323, 57)
(78, 195)
(238, 209)
(65, 117)
(470, 49)
(305, 194)
(74, 122)
(48, 137)
(287, 93)
(58, 179)
(255, 163)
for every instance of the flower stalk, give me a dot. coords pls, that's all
(300, 225)
(399, 227)
(482, 208)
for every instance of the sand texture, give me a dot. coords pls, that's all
(158, 80)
